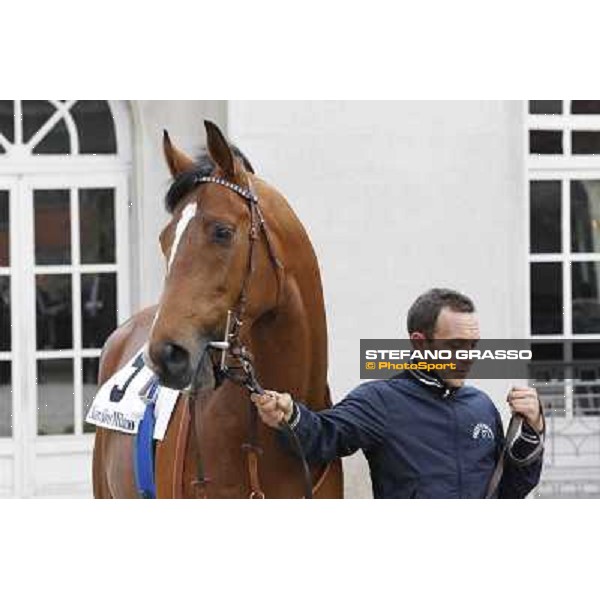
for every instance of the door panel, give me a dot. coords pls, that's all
(62, 287)
(76, 227)
(5, 317)
(64, 220)
(9, 436)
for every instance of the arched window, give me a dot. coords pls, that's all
(64, 281)
(58, 127)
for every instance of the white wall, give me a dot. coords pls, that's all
(399, 197)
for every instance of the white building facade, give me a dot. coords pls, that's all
(397, 197)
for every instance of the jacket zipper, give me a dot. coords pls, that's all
(450, 398)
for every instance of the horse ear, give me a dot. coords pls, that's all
(219, 149)
(178, 161)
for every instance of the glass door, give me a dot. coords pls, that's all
(63, 285)
(75, 295)
(11, 432)
(64, 282)
(5, 314)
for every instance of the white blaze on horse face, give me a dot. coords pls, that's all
(186, 216)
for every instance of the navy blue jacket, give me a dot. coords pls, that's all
(421, 439)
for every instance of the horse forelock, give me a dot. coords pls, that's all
(204, 166)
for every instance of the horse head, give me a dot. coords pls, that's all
(214, 254)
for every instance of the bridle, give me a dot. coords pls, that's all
(236, 361)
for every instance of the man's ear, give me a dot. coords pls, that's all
(418, 340)
(219, 149)
(177, 161)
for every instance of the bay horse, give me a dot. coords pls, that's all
(232, 240)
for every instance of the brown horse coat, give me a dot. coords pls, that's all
(284, 328)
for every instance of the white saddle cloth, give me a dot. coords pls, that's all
(121, 401)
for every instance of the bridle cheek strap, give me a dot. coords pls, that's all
(257, 222)
(233, 346)
(252, 448)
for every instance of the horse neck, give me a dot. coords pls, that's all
(289, 346)
(290, 349)
(290, 342)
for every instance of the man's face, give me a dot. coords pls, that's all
(453, 331)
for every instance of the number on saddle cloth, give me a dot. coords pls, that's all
(117, 393)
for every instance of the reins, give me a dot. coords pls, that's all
(243, 372)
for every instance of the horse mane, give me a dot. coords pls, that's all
(185, 182)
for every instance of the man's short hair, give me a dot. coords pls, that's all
(423, 314)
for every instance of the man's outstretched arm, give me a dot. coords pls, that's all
(358, 421)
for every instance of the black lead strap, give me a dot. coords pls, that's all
(513, 433)
(295, 441)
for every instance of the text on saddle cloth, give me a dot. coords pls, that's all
(121, 401)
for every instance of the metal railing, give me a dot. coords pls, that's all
(570, 393)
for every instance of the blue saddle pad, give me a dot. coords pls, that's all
(143, 459)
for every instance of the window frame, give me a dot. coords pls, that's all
(564, 168)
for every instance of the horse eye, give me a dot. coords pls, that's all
(222, 234)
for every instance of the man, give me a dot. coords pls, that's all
(424, 436)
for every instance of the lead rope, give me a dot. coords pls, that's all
(512, 434)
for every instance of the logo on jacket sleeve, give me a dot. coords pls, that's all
(483, 431)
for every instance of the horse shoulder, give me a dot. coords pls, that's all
(112, 469)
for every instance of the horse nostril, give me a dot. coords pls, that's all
(174, 357)
(175, 362)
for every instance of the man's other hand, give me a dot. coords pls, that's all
(525, 401)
